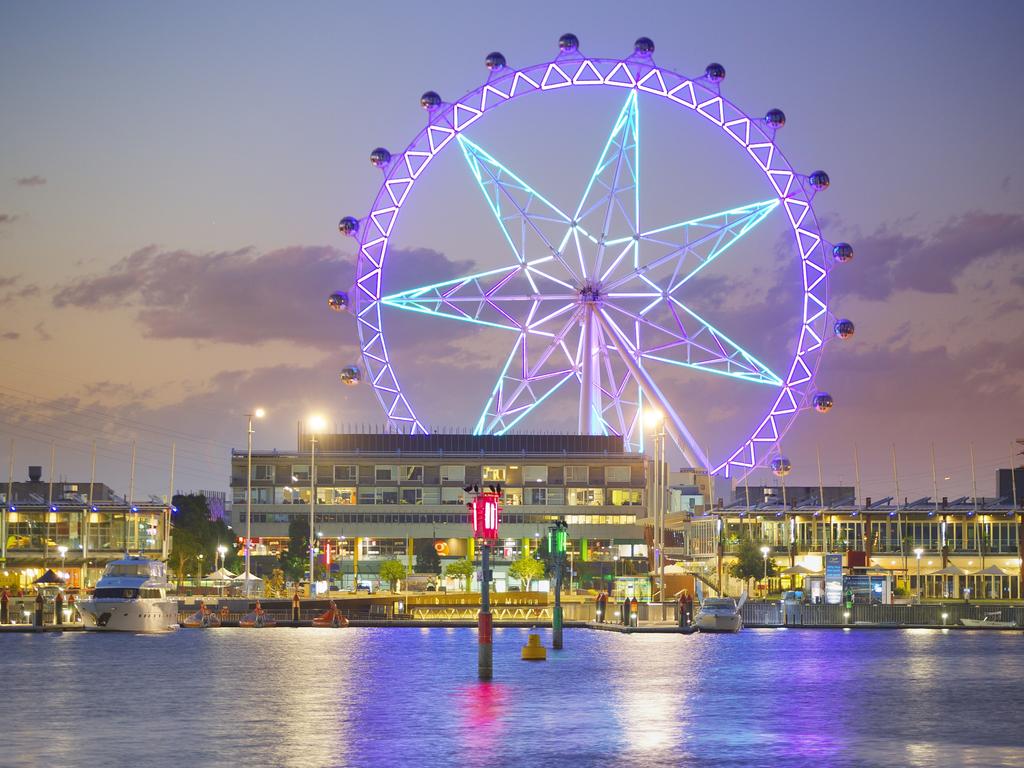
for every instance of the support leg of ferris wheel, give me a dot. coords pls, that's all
(673, 424)
(590, 380)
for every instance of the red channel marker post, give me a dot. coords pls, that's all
(484, 513)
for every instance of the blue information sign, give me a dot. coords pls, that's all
(834, 578)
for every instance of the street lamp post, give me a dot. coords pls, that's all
(764, 554)
(199, 569)
(656, 420)
(918, 551)
(63, 552)
(259, 413)
(485, 512)
(315, 424)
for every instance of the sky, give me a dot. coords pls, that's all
(172, 177)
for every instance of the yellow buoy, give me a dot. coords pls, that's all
(533, 650)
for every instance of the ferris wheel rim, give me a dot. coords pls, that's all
(637, 73)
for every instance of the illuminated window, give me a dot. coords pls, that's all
(300, 471)
(512, 497)
(494, 474)
(592, 497)
(622, 497)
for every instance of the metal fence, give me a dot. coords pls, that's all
(776, 614)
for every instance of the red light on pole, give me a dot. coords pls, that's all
(485, 514)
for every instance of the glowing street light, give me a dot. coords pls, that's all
(655, 421)
(63, 552)
(918, 551)
(314, 425)
(764, 554)
(259, 413)
(222, 550)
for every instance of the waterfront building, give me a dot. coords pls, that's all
(381, 496)
(74, 528)
(978, 542)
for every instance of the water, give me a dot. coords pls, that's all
(409, 697)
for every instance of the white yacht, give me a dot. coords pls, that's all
(719, 614)
(131, 596)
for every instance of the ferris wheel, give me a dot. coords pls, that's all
(593, 296)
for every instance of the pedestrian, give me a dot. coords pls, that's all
(625, 611)
(58, 608)
(634, 612)
(71, 609)
(39, 609)
(5, 600)
(295, 606)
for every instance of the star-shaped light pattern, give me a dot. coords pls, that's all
(600, 260)
(593, 297)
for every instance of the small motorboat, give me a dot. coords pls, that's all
(257, 619)
(720, 614)
(330, 618)
(204, 618)
(991, 621)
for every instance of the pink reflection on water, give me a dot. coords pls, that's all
(482, 706)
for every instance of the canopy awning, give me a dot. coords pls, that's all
(950, 570)
(797, 570)
(992, 570)
(49, 578)
(221, 574)
(246, 577)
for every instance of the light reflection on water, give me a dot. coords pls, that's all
(356, 697)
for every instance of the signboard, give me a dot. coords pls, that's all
(834, 578)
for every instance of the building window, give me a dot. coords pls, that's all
(575, 473)
(616, 474)
(493, 474)
(367, 496)
(512, 497)
(591, 497)
(453, 473)
(412, 495)
(536, 496)
(300, 472)
(412, 473)
(452, 495)
(262, 471)
(384, 473)
(385, 495)
(535, 474)
(625, 498)
(346, 473)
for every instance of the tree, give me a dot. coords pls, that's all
(427, 559)
(294, 560)
(184, 553)
(526, 569)
(274, 585)
(750, 563)
(392, 571)
(460, 569)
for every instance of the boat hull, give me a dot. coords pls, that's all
(718, 623)
(982, 624)
(141, 616)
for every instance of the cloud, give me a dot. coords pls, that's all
(8, 218)
(41, 331)
(10, 336)
(892, 260)
(13, 294)
(31, 181)
(243, 296)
